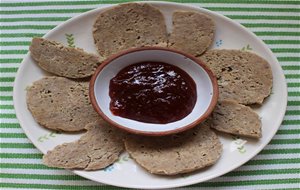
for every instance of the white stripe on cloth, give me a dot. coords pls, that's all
(51, 182)
(273, 29)
(8, 111)
(15, 140)
(36, 171)
(12, 130)
(20, 150)
(8, 65)
(9, 120)
(267, 21)
(254, 13)
(292, 117)
(291, 136)
(20, 39)
(20, 161)
(275, 156)
(35, 23)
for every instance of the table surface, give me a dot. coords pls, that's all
(277, 23)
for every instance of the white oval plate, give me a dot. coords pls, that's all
(126, 173)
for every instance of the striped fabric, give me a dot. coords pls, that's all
(275, 22)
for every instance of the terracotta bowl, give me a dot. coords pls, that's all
(206, 86)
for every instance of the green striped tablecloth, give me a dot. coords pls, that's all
(275, 22)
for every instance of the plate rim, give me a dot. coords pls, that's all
(173, 185)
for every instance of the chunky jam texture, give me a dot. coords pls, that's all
(152, 92)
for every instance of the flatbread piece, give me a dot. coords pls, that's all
(231, 117)
(64, 61)
(61, 104)
(175, 154)
(99, 147)
(129, 25)
(192, 32)
(242, 76)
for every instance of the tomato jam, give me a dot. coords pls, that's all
(152, 92)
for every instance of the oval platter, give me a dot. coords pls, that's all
(125, 172)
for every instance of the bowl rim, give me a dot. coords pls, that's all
(201, 118)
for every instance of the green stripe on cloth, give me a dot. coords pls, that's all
(262, 172)
(10, 60)
(281, 151)
(250, 9)
(8, 70)
(7, 115)
(274, 161)
(16, 145)
(8, 107)
(21, 155)
(259, 17)
(259, 25)
(282, 41)
(285, 141)
(41, 19)
(26, 166)
(293, 103)
(6, 98)
(37, 27)
(44, 11)
(293, 112)
(7, 79)
(294, 93)
(248, 182)
(20, 35)
(292, 76)
(288, 132)
(295, 59)
(12, 135)
(41, 176)
(291, 67)
(48, 186)
(291, 122)
(286, 50)
(16, 43)
(293, 84)
(6, 88)
(10, 125)
(271, 33)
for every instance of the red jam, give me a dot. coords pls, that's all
(152, 92)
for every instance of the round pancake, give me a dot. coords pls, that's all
(192, 32)
(174, 154)
(231, 117)
(61, 104)
(242, 76)
(99, 147)
(129, 25)
(64, 61)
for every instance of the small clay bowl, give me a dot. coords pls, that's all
(206, 84)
